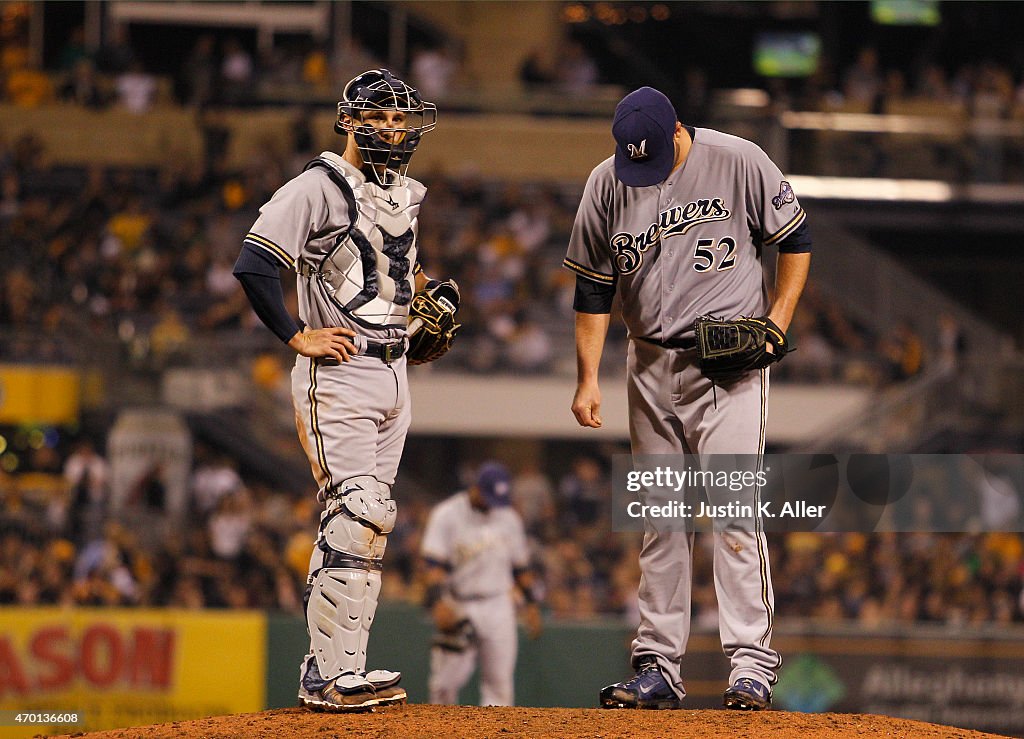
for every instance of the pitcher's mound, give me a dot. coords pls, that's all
(520, 723)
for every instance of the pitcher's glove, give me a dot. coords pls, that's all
(432, 325)
(459, 638)
(730, 349)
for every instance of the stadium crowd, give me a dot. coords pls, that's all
(244, 545)
(143, 258)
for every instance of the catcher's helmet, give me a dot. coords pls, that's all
(378, 89)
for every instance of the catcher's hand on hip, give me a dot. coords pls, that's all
(325, 342)
(730, 349)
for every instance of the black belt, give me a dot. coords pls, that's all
(387, 353)
(685, 344)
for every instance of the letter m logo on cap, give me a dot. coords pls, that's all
(638, 152)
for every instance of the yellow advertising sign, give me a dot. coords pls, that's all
(124, 667)
(38, 394)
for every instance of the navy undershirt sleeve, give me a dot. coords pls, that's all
(592, 297)
(261, 279)
(798, 242)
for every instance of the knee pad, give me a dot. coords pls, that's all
(359, 516)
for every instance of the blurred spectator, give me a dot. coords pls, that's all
(952, 345)
(74, 50)
(862, 83)
(575, 72)
(230, 525)
(894, 92)
(999, 499)
(533, 497)
(136, 89)
(352, 58)
(116, 54)
(529, 347)
(904, 351)
(216, 133)
(816, 358)
(534, 71)
(212, 480)
(316, 70)
(237, 73)
(990, 103)
(83, 87)
(28, 87)
(87, 475)
(433, 71)
(582, 491)
(696, 97)
(932, 84)
(151, 491)
(197, 78)
(10, 195)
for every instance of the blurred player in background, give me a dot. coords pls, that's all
(476, 557)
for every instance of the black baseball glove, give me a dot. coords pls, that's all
(730, 349)
(457, 639)
(432, 325)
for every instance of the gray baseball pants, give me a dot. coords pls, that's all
(352, 417)
(672, 410)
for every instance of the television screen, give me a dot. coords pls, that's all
(906, 12)
(788, 54)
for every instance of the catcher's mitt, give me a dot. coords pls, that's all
(730, 349)
(432, 325)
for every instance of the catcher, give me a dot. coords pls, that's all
(347, 227)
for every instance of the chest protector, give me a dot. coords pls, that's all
(368, 272)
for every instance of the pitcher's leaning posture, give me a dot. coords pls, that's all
(676, 222)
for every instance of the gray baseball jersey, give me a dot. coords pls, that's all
(482, 549)
(690, 245)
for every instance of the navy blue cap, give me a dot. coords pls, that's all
(495, 484)
(643, 127)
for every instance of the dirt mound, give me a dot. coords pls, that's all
(516, 723)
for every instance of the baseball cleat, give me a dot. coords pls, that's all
(747, 694)
(385, 685)
(345, 693)
(647, 689)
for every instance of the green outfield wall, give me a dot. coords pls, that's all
(973, 678)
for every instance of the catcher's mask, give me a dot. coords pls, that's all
(379, 90)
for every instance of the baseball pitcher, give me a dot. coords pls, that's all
(476, 556)
(346, 226)
(676, 222)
